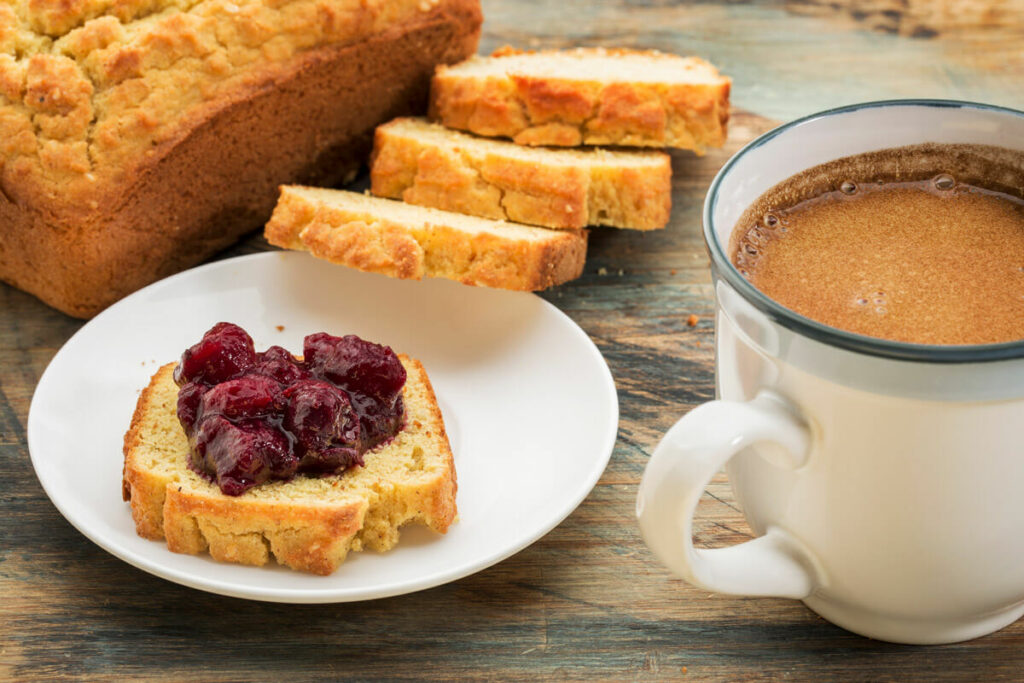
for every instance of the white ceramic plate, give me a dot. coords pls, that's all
(528, 401)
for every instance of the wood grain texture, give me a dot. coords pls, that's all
(923, 18)
(588, 601)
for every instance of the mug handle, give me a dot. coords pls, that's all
(681, 467)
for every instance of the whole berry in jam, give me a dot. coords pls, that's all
(277, 363)
(379, 420)
(254, 417)
(225, 352)
(355, 364)
(239, 455)
(246, 396)
(320, 415)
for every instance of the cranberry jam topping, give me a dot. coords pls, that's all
(252, 417)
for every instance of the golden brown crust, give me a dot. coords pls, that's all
(368, 240)
(543, 110)
(313, 539)
(493, 179)
(143, 148)
(378, 247)
(170, 502)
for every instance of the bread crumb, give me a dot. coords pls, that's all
(692, 320)
(279, 328)
(602, 271)
(672, 272)
(621, 272)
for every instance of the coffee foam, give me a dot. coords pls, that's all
(993, 168)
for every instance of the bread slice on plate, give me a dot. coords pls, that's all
(411, 242)
(427, 164)
(308, 523)
(590, 96)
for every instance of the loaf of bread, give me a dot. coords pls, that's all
(138, 137)
(590, 96)
(430, 165)
(308, 523)
(411, 242)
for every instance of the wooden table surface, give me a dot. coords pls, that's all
(588, 600)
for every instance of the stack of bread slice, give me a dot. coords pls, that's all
(490, 193)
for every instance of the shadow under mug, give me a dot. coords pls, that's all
(884, 480)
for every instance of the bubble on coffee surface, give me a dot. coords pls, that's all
(848, 187)
(875, 299)
(944, 182)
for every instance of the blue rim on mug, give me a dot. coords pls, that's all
(858, 343)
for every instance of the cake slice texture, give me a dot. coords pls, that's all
(308, 523)
(427, 164)
(411, 242)
(590, 96)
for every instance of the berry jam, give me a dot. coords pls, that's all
(253, 417)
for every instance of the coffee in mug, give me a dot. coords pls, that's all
(921, 244)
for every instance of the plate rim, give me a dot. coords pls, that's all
(262, 593)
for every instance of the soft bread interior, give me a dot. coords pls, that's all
(367, 208)
(592, 64)
(421, 130)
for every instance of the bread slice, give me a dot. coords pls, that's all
(405, 241)
(430, 165)
(307, 523)
(590, 96)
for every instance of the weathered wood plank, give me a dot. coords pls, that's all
(923, 18)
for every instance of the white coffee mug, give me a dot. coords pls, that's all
(885, 480)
